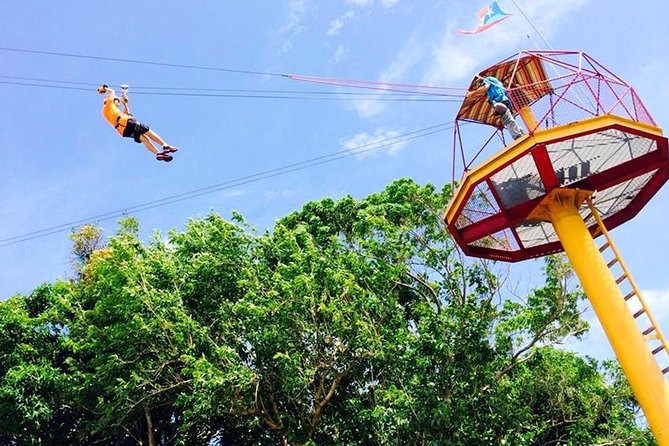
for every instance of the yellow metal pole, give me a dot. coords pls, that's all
(645, 377)
(528, 118)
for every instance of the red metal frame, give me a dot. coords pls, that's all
(509, 218)
(587, 73)
(605, 93)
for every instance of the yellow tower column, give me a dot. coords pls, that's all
(528, 118)
(642, 371)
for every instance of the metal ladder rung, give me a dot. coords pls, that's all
(652, 327)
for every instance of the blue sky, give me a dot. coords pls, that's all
(61, 162)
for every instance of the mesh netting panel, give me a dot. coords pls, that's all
(573, 97)
(568, 101)
(552, 89)
(622, 101)
(641, 111)
(535, 233)
(614, 199)
(481, 204)
(590, 154)
(502, 240)
(608, 202)
(519, 182)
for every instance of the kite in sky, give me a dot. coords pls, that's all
(489, 16)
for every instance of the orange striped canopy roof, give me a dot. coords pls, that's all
(525, 80)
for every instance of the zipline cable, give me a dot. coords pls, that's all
(376, 85)
(233, 90)
(250, 96)
(582, 94)
(144, 62)
(365, 82)
(39, 79)
(532, 25)
(325, 98)
(283, 170)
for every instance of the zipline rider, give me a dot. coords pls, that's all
(129, 127)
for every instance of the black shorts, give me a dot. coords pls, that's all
(134, 129)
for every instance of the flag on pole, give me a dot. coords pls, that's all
(489, 16)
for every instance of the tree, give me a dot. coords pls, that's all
(35, 404)
(352, 322)
(86, 240)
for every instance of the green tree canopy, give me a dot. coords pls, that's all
(352, 322)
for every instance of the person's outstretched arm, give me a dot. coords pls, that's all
(126, 105)
(478, 92)
(108, 92)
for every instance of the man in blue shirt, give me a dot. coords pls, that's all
(500, 102)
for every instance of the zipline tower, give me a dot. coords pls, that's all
(592, 158)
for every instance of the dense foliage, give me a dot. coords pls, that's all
(353, 322)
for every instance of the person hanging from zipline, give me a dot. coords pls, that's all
(499, 101)
(129, 127)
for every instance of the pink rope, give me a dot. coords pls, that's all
(375, 85)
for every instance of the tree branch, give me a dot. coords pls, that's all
(149, 427)
(318, 409)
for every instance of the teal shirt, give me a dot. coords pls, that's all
(496, 91)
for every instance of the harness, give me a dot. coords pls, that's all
(119, 119)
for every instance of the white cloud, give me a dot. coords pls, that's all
(382, 140)
(234, 193)
(338, 54)
(658, 302)
(453, 59)
(369, 3)
(337, 24)
(292, 26)
(408, 56)
(457, 57)
(451, 62)
(544, 14)
(279, 195)
(361, 3)
(368, 108)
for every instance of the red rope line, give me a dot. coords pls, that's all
(377, 85)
